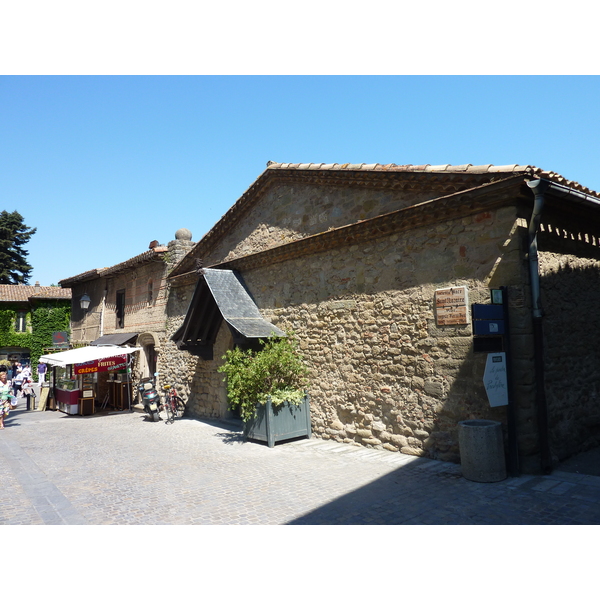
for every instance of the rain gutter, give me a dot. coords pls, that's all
(542, 188)
(539, 188)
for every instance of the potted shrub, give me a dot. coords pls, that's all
(267, 386)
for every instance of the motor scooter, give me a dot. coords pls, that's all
(150, 398)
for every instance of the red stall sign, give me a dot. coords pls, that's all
(114, 363)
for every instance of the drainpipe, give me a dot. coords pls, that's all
(102, 313)
(539, 187)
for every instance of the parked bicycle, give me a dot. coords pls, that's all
(172, 403)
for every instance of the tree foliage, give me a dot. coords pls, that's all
(14, 234)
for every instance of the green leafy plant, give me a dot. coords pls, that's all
(44, 319)
(276, 371)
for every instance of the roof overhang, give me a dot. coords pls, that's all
(220, 295)
(114, 339)
(236, 305)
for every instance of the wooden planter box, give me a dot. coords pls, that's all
(275, 424)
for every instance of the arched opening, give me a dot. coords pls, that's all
(149, 355)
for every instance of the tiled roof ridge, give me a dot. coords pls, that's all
(51, 292)
(84, 275)
(502, 171)
(447, 168)
(140, 258)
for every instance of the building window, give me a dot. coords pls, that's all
(120, 309)
(21, 322)
(150, 291)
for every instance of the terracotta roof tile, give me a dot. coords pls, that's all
(447, 168)
(91, 274)
(468, 171)
(145, 257)
(479, 168)
(22, 293)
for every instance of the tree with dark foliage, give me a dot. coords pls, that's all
(14, 234)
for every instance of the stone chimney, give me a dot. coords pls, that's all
(180, 246)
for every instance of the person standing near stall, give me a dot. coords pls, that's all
(5, 396)
(27, 390)
(18, 381)
(42, 372)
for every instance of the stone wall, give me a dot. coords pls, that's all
(384, 375)
(569, 286)
(289, 212)
(196, 380)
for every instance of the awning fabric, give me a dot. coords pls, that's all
(114, 339)
(82, 355)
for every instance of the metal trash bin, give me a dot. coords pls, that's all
(482, 450)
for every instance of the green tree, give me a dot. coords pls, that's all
(14, 234)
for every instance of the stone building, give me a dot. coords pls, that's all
(127, 301)
(350, 257)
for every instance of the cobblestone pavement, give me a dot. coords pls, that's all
(121, 469)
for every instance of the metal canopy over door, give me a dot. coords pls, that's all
(220, 295)
(114, 339)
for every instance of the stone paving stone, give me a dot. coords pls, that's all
(545, 485)
(119, 469)
(562, 488)
(566, 476)
(590, 481)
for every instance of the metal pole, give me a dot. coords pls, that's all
(128, 386)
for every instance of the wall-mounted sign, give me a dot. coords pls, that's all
(496, 296)
(489, 327)
(60, 339)
(494, 379)
(114, 363)
(451, 306)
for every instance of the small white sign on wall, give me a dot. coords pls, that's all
(495, 380)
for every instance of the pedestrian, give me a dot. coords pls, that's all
(28, 393)
(42, 372)
(5, 396)
(18, 382)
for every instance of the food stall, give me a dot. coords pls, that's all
(85, 378)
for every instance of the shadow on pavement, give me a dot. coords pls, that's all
(395, 499)
(232, 437)
(586, 463)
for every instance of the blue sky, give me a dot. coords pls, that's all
(102, 165)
